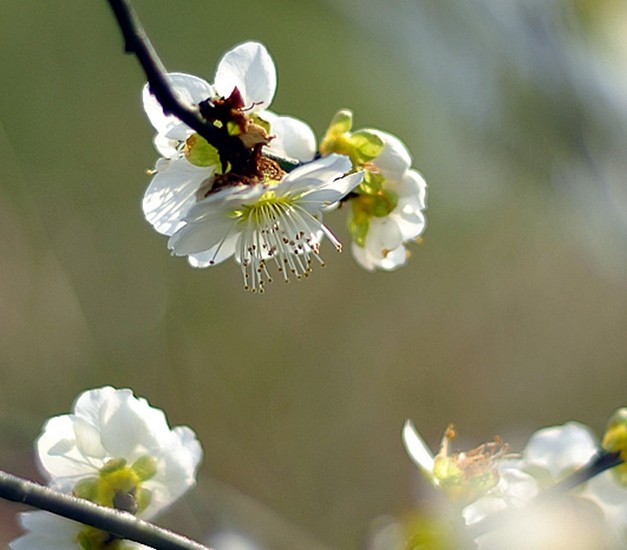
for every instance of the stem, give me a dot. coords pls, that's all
(137, 43)
(121, 524)
(601, 462)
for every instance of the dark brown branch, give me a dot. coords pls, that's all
(137, 43)
(112, 521)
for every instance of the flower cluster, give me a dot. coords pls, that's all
(517, 498)
(258, 192)
(114, 450)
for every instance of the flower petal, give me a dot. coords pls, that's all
(417, 449)
(292, 138)
(319, 174)
(394, 160)
(560, 449)
(190, 89)
(215, 254)
(250, 68)
(172, 192)
(201, 236)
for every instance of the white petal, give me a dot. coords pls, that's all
(560, 449)
(363, 257)
(177, 466)
(417, 449)
(319, 174)
(200, 236)
(216, 254)
(167, 147)
(383, 237)
(57, 454)
(172, 192)
(394, 160)
(408, 218)
(250, 68)
(190, 89)
(328, 193)
(413, 184)
(293, 138)
(394, 259)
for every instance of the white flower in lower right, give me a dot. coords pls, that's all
(593, 515)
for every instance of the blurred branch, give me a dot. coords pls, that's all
(121, 524)
(601, 462)
(137, 43)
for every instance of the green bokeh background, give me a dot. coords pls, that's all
(510, 316)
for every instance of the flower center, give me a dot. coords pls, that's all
(278, 230)
(116, 486)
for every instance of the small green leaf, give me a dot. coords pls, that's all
(200, 152)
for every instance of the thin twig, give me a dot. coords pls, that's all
(121, 524)
(601, 462)
(138, 43)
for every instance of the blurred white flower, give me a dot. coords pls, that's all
(462, 475)
(276, 220)
(45, 531)
(551, 455)
(118, 451)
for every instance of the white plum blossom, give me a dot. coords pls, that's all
(386, 210)
(118, 451)
(551, 455)
(275, 221)
(386, 237)
(51, 532)
(115, 450)
(247, 68)
(462, 475)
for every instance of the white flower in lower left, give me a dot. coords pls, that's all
(118, 451)
(46, 531)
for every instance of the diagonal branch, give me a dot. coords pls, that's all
(137, 43)
(121, 524)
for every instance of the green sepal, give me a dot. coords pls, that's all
(256, 119)
(341, 123)
(143, 498)
(366, 145)
(199, 152)
(358, 222)
(112, 465)
(145, 467)
(87, 489)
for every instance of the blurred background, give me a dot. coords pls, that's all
(512, 315)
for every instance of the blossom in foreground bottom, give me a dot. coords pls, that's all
(47, 531)
(117, 451)
(591, 516)
(277, 221)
